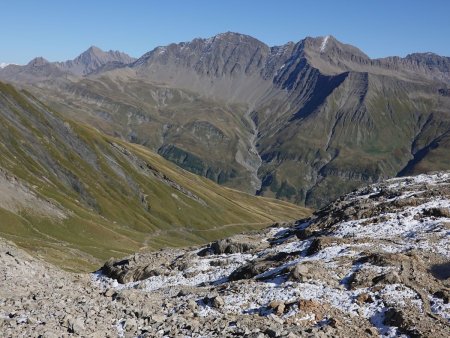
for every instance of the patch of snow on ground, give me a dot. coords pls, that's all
(290, 247)
(377, 320)
(401, 295)
(120, 328)
(105, 282)
(404, 225)
(255, 299)
(432, 179)
(201, 272)
(392, 294)
(439, 307)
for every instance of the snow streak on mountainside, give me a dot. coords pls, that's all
(324, 43)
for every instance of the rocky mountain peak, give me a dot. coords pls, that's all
(94, 49)
(332, 56)
(86, 63)
(95, 53)
(38, 62)
(94, 58)
(90, 54)
(226, 54)
(233, 37)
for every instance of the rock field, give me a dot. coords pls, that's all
(376, 262)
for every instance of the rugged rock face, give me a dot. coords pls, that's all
(305, 122)
(375, 262)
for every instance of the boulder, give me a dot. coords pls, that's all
(227, 246)
(217, 302)
(437, 212)
(248, 270)
(277, 306)
(299, 273)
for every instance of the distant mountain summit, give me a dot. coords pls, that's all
(40, 69)
(93, 59)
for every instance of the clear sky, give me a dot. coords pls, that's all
(60, 30)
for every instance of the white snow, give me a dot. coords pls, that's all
(120, 327)
(161, 50)
(432, 179)
(439, 307)
(414, 232)
(202, 272)
(401, 295)
(4, 64)
(324, 43)
(250, 301)
(385, 331)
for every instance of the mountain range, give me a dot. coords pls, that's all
(304, 122)
(203, 190)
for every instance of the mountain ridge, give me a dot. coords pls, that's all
(419, 57)
(324, 117)
(87, 62)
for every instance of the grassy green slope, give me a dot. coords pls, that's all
(117, 197)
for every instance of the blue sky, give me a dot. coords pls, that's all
(60, 30)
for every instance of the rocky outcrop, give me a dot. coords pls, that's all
(237, 244)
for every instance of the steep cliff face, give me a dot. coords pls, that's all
(305, 121)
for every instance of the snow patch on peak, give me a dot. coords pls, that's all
(160, 50)
(324, 43)
(3, 64)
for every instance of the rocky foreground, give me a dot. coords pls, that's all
(374, 263)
